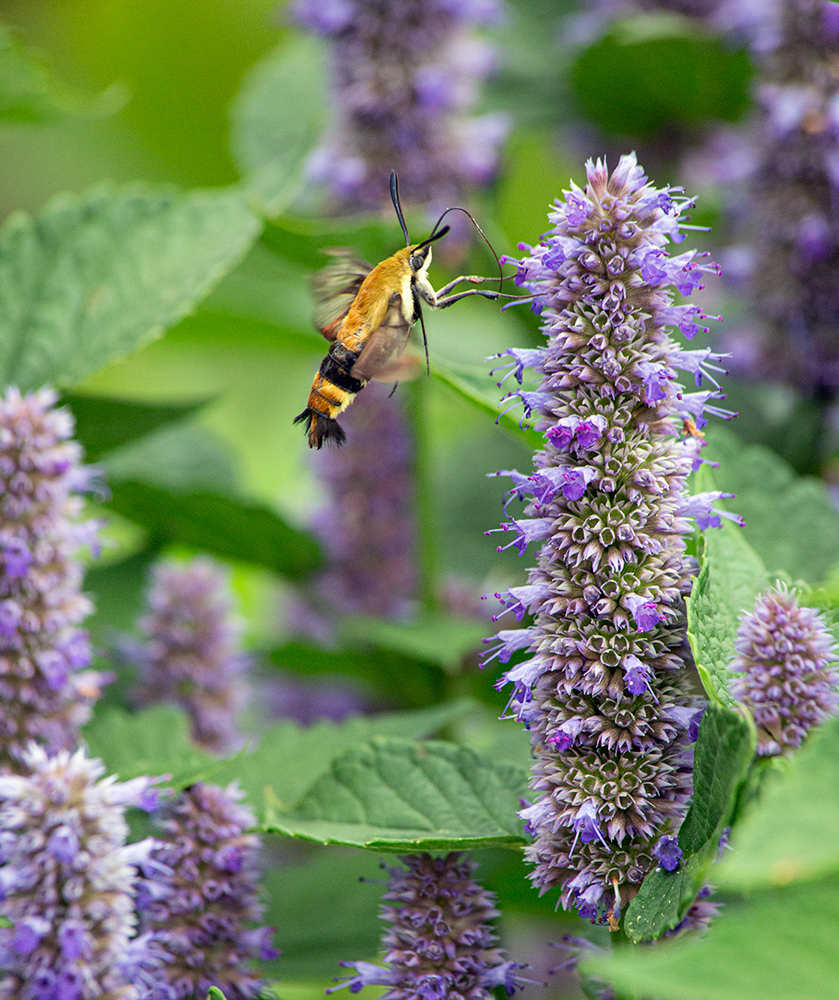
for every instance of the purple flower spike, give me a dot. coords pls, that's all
(785, 653)
(73, 916)
(405, 79)
(604, 690)
(440, 944)
(191, 657)
(45, 695)
(200, 903)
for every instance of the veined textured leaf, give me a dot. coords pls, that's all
(732, 575)
(92, 277)
(394, 795)
(276, 120)
(778, 944)
(291, 757)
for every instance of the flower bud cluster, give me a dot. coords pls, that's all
(45, 694)
(603, 687)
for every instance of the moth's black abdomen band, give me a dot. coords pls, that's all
(321, 429)
(336, 373)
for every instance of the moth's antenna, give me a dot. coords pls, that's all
(435, 235)
(397, 204)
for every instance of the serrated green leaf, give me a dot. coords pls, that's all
(472, 384)
(394, 795)
(790, 833)
(277, 119)
(153, 741)
(291, 757)
(791, 521)
(722, 756)
(104, 424)
(221, 525)
(435, 638)
(776, 945)
(730, 577)
(92, 277)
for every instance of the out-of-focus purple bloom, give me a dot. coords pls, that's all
(404, 80)
(199, 904)
(72, 911)
(191, 654)
(440, 943)
(604, 689)
(45, 694)
(784, 657)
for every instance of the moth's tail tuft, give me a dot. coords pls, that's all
(321, 429)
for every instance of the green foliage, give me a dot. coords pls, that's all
(92, 277)
(649, 74)
(722, 756)
(394, 795)
(270, 145)
(28, 95)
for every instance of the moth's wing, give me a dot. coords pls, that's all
(334, 288)
(381, 356)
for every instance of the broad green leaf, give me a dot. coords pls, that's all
(409, 681)
(277, 119)
(435, 638)
(182, 457)
(475, 386)
(722, 756)
(790, 834)
(394, 795)
(730, 578)
(303, 241)
(325, 910)
(92, 277)
(290, 757)
(791, 521)
(214, 993)
(648, 74)
(104, 424)
(153, 741)
(28, 95)
(778, 944)
(221, 525)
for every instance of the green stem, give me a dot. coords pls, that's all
(426, 535)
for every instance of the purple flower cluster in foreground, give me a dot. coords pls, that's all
(191, 655)
(440, 945)
(45, 694)
(68, 881)
(404, 77)
(604, 686)
(200, 906)
(784, 657)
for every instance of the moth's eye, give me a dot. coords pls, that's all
(417, 260)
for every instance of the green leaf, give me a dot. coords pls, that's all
(291, 757)
(277, 119)
(27, 94)
(648, 74)
(223, 526)
(93, 277)
(104, 424)
(722, 756)
(790, 833)
(472, 385)
(303, 241)
(214, 993)
(433, 637)
(791, 521)
(778, 944)
(730, 578)
(153, 741)
(407, 680)
(325, 910)
(395, 795)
